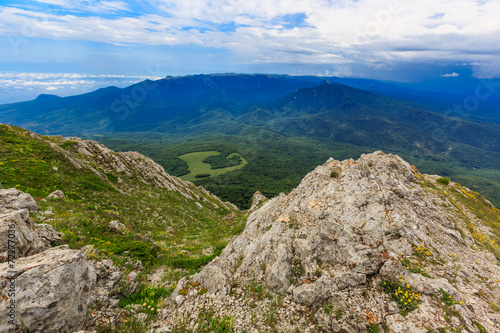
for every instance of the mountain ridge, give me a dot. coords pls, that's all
(358, 246)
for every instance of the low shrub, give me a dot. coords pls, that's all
(404, 296)
(202, 175)
(149, 297)
(444, 180)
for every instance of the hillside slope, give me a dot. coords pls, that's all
(101, 185)
(365, 245)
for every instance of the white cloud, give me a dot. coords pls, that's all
(89, 5)
(454, 74)
(24, 86)
(379, 33)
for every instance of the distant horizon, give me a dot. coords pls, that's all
(22, 87)
(113, 42)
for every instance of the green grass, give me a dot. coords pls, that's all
(150, 297)
(167, 217)
(197, 167)
(194, 263)
(483, 211)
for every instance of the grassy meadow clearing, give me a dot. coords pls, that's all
(198, 167)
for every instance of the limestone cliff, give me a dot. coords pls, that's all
(358, 244)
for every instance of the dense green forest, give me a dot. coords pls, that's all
(223, 161)
(277, 163)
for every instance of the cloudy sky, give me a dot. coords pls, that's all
(72, 46)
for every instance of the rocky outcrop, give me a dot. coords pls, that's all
(257, 201)
(345, 240)
(12, 199)
(18, 238)
(47, 288)
(112, 284)
(52, 291)
(116, 226)
(121, 170)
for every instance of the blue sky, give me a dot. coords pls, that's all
(73, 46)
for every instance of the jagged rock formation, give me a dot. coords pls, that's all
(142, 219)
(257, 201)
(116, 226)
(344, 241)
(52, 285)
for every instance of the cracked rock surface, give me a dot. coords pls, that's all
(332, 242)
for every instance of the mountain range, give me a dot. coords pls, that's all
(256, 114)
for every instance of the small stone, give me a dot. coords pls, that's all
(179, 299)
(141, 317)
(56, 195)
(116, 226)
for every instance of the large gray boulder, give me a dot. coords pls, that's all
(116, 226)
(13, 199)
(17, 228)
(52, 291)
